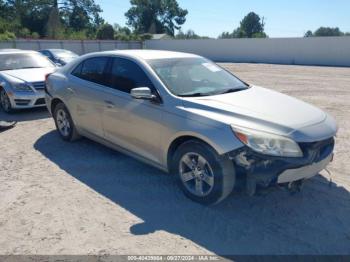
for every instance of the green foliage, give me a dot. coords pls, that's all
(124, 33)
(53, 18)
(155, 16)
(326, 31)
(252, 26)
(190, 34)
(6, 36)
(260, 35)
(105, 32)
(78, 35)
(309, 34)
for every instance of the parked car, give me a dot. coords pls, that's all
(186, 115)
(59, 56)
(4, 125)
(22, 79)
(9, 49)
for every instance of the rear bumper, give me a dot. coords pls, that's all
(48, 101)
(23, 100)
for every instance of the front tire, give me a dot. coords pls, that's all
(5, 101)
(203, 175)
(64, 123)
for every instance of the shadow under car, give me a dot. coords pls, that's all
(315, 221)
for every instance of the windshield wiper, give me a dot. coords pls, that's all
(29, 67)
(226, 91)
(230, 90)
(193, 95)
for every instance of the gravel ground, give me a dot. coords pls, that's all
(83, 198)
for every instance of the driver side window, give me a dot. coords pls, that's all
(125, 75)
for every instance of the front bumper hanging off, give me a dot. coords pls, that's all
(256, 170)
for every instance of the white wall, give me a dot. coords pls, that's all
(77, 46)
(333, 51)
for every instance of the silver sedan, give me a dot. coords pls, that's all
(186, 115)
(22, 79)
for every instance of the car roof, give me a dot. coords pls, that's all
(15, 51)
(9, 49)
(56, 49)
(150, 54)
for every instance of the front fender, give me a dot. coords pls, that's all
(221, 138)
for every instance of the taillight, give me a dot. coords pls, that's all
(46, 79)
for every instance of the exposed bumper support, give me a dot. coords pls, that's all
(257, 170)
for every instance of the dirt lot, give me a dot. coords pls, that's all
(82, 198)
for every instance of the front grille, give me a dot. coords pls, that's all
(38, 85)
(22, 102)
(40, 101)
(318, 151)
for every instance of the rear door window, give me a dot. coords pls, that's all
(93, 70)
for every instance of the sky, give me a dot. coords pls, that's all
(283, 18)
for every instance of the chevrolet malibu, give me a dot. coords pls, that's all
(22, 79)
(186, 115)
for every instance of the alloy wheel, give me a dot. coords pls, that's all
(196, 174)
(63, 123)
(5, 101)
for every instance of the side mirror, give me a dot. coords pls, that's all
(144, 93)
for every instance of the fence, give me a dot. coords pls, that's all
(331, 51)
(77, 46)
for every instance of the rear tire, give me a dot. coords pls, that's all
(203, 175)
(5, 101)
(64, 123)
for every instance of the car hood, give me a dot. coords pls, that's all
(266, 110)
(67, 59)
(29, 75)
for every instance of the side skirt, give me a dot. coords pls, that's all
(121, 150)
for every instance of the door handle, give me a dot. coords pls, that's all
(110, 104)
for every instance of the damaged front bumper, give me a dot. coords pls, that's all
(254, 170)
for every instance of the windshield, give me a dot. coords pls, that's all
(23, 61)
(195, 77)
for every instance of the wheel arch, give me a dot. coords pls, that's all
(178, 141)
(54, 103)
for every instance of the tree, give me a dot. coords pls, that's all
(326, 31)
(251, 26)
(105, 32)
(53, 25)
(49, 17)
(155, 16)
(309, 34)
(190, 34)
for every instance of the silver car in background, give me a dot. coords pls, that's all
(186, 115)
(22, 79)
(59, 56)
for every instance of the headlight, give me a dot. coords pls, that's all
(268, 144)
(22, 87)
